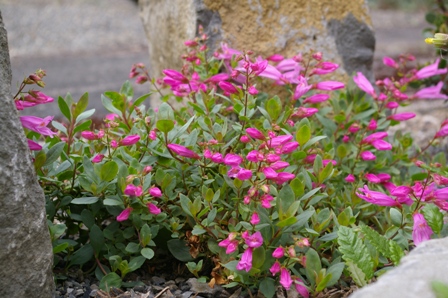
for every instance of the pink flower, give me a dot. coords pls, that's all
(255, 219)
(217, 158)
(152, 135)
(244, 139)
(182, 151)
(376, 197)
(372, 125)
(374, 136)
(130, 140)
(431, 92)
(384, 177)
(430, 70)
(132, 190)
(441, 194)
(33, 145)
(364, 84)
(244, 174)
(284, 177)
(89, 135)
(153, 209)
(301, 89)
(111, 117)
(421, 231)
(392, 105)
(285, 278)
(255, 133)
(316, 98)
(289, 147)
(266, 201)
(252, 90)
(175, 75)
(232, 159)
(301, 288)
(279, 165)
(124, 215)
(443, 132)
(372, 178)
(246, 260)
(229, 243)
(367, 155)
(228, 87)
(329, 85)
(218, 78)
(279, 141)
(37, 124)
(255, 240)
(390, 62)
(303, 112)
(325, 68)
(350, 178)
(275, 268)
(275, 58)
(155, 192)
(381, 145)
(113, 144)
(97, 158)
(269, 173)
(402, 116)
(278, 253)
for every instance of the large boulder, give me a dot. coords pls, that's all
(26, 255)
(413, 277)
(341, 29)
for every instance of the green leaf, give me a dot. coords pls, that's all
(356, 273)
(65, 110)
(113, 201)
(440, 289)
(165, 125)
(345, 216)
(396, 252)
(96, 238)
(85, 200)
(313, 265)
(118, 100)
(145, 235)
(54, 153)
(136, 262)
(286, 222)
(433, 217)
(336, 271)
(180, 250)
(82, 127)
(298, 187)
(326, 172)
(354, 250)
(107, 103)
(148, 253)
(380, 242)
(186, 204)
(127, 89)
(285, 198)
(303, 135)
(140, 100)
(60, 247)
(258, 257)
(132, 247)
(81, 105)
(109, 171)
(59, 127)
(165, 112)
(322, 284)
(267, 287)
(39, 160)
(84, 115)
(87, 218)
(274, 107)
(395, 217)
(109, 281)
(82, 255)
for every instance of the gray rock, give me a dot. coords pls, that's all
(25, 247)
(205, 290)
(412, 278)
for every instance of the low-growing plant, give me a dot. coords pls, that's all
(247, 188)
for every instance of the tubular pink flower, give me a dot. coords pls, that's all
(367, 155)
(317, 98)
(182, 151)
(246, 260)
(271, 158)
(372, 178)
(266, 201)
(33, 145)
(269, 173)
(364, 84)
(390, 62)
(275, 268)
(278, 253)
(124, 215)
(279, 141)
(433, 92)
(130, 140)
(218, 78)
(441, 194)
(374, 136)
(271, 72)
(153, 209)
(244, 174)
(89, 135)
(350, 178)
(376, 197)
(37, 124)
(132, 190)
(430, 70)
(113, 144)
(329, 85)
(327, 161)
(301, 89)
(227, 53)
(402, 116)
(232, 160)
(392, 105)
(155, 192)
(255, 219)
(244, 139)
(421, 231)
(440, 180)
(217, 158)
(255, 133)
(255, 240)
(279, 165)
(252, 90)
(275, 58)
(325, 68)
(284, 177)
(372, 125)
(175, 75)
(285, 278)
(259, 66)
(384, 177)
(152, 135)
(289, 147)
(98, 158)
(228, 87)
(301, 288)
(381, 145)
(443, 132)
(303, 112)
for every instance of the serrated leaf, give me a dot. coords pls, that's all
(357, 274)
(380, 242)
(396, 252)
(353, 249)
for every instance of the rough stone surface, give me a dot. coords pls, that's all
(341, 29)
(413, 277)
(25, 248)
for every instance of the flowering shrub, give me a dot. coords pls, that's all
(307, 190)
